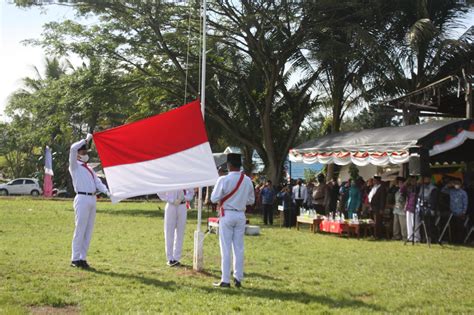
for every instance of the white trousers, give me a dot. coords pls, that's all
(410, 227)
(231, 237)
(84, 210)
(175, 222)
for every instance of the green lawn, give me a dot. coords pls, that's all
(287, 271)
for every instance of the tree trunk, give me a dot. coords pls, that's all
(247, 153)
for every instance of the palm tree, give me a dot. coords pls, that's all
(421, 53)
(53, 70)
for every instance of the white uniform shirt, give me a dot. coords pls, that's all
(244, 196)
(83, 180)
(300, 193)
(178, 196)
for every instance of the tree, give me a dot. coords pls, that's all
(56, 110)
(419, 50)
(248, 92)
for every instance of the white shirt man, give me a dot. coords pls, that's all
(300, 193)
(86, 184)
(175, 222)
(232, 219)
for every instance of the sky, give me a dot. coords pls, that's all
(17, 60)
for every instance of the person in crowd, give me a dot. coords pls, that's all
(86, 184)
(388, 212)
(410, 207)
(309, 195)
(333, 195)
(365, 190)
(300, 195)
(470, 200)
(354, 199)
(321, 195)
(175, 222)
(233, 192)
(399, 214)
(343, 196)
(458, 205)
(285, 196)
(268, 199)
(258, 198)
(427, 202)
(377, 199)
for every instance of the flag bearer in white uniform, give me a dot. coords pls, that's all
(233, 193)
(175, 222)
(86, 184)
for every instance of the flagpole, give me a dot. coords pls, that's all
(203, 60)
(203, 95)
(198, 235)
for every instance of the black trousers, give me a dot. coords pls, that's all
(287, 217)
(268, 214)
(298, 205)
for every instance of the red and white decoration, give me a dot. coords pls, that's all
(394, 151)
(345, 158)
(453, 142)
(165, 152)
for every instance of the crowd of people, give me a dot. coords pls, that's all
(397, 207)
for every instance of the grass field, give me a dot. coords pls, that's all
(287, 271)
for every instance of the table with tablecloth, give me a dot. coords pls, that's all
(348, 227)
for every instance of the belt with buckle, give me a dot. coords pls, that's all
(85, 193)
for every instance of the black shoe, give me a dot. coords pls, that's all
(221, 284)
(76, 264)
(84, 264)
(172, 263)
(237, 283)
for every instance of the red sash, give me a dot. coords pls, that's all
(88, 169)
(226, 197)
(188, 204)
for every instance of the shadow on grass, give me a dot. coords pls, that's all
(167, 285)
(133, 213)
(270, 294)
(300, 297)
(258, 275)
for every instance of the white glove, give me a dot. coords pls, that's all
(177, 202)
(88, 137)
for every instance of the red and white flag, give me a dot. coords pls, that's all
(48, 173)
(165, 152)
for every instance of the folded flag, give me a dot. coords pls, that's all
(166, 152)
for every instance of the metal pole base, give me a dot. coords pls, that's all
(198, 257)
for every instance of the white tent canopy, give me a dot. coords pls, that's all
(383, 146)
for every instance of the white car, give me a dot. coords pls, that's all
(21, 186)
